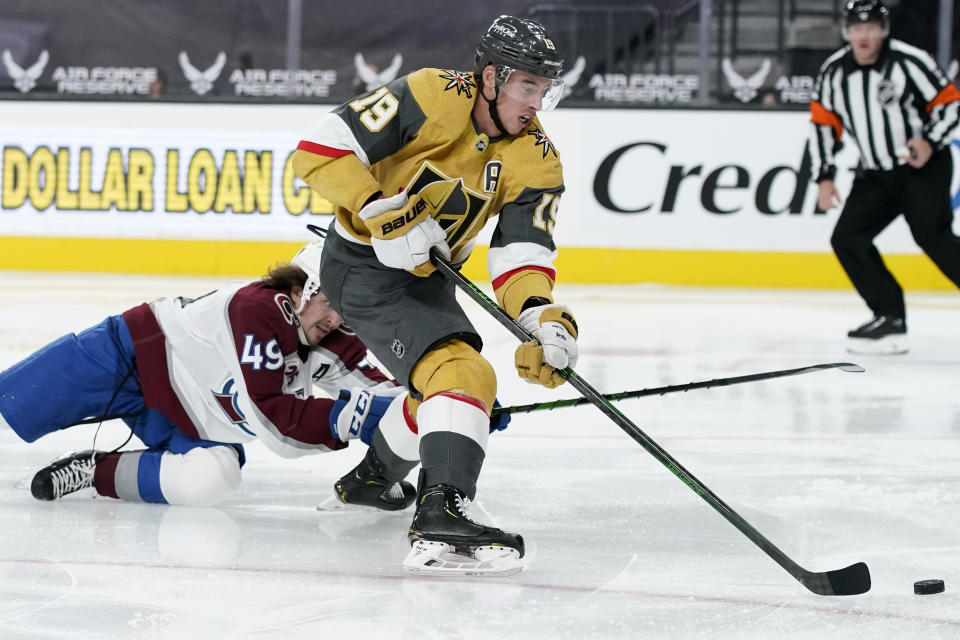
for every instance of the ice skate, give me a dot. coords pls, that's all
(883, 335)
(366, 486)
(447, 542)
(65, 476)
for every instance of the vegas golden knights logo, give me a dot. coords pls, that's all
(463, 209)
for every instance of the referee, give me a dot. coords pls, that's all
(897, 106)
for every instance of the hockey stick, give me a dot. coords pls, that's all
(659, 391)
(851, 580)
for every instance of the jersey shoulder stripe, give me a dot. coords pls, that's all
(835, 58)
(916, 53)
(258, 310)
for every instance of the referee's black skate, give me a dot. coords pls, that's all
(366, 486)
(66, 475)
(884, 335)
(446, 541)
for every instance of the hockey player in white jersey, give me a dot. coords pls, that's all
(196, 379)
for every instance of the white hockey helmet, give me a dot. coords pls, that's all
(308, 259)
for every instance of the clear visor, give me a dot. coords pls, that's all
(538, 92)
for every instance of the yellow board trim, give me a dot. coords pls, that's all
(130, 255)
(576, 265)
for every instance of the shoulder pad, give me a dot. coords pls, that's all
(440, 91)
(534, 155)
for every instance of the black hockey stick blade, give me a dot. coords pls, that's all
(849, 366)
(320, 231)
(848, 581)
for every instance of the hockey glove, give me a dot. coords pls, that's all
(555, 346)
(357, 413)
(501, 421)
(402, 230)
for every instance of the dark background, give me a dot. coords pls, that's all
(253, 33)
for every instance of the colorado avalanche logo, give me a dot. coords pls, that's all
(286, 307)
(462, 82)
(228, 400)
(542, 140)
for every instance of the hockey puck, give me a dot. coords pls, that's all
(926, 587)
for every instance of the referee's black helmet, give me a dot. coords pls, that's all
(857, 11)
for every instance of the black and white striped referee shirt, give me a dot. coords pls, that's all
(903, 95)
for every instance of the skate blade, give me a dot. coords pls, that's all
(886, 346)
(23, 484)
(430, 558)
(332, 503)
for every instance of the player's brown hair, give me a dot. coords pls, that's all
(284, 277)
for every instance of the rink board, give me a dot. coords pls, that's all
(680, 197)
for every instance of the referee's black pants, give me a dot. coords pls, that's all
(877, 198)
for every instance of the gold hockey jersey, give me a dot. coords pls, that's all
(420, 129)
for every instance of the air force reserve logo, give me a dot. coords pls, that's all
(372, 77)
(745, 89)
(202, 81)
(25, 79)
(572, 77)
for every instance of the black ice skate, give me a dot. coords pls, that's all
(885, 335)
(446, 541)
(366, 486)
(66, 475)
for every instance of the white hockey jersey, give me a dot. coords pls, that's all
(229, 367)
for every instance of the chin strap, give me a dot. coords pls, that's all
(494, 114)
(300, 334)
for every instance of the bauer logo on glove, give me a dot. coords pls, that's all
(418, 207)
(403, 231)
(390, 218)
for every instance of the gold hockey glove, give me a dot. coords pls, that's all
(403, 230)
(555, 346)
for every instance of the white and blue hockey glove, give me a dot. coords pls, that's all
(501, 421)
(356, 414)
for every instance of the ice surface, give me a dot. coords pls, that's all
(832, 467)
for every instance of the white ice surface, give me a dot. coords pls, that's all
(832, 467)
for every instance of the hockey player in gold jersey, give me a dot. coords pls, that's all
(423, 163)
